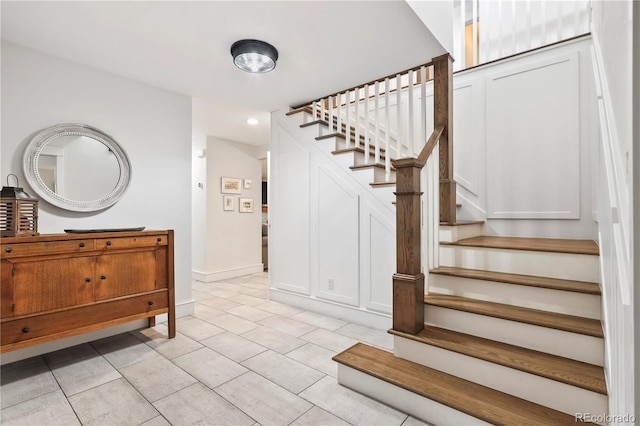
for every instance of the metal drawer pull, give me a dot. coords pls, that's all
(81, 244)
(88, 280)
(103, 277)
(25, 330)
(8, 250)
(108, 243)
(150, 302)
(159, 239)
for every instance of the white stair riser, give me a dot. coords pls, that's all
(563, 302)
(557, 342)
(377, 174)
(451, 234)
(403, 400)
(550, 393)
(579, 267)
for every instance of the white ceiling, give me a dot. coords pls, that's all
(183, 46)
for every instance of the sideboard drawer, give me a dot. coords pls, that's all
(131, 242)
(30, 329)
(9, 251)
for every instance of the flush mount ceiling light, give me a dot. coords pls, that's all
(254, 56)
(252, 121)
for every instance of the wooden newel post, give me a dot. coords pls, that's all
(443, 116)
(408, 281)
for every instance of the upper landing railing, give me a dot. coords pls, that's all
(485, 31)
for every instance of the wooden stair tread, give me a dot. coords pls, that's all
(462, 223)
(565, 370)
(532, 244)
(357, 149)
(570, 323)
(528, 280)
(370, 165)
(378, 184)
(299, 110)
(314, 122)
(475, 400)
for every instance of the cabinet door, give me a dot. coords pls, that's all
(6, 290)
(44, 285)
(122, 274)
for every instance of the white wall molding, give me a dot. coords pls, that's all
(208, 277)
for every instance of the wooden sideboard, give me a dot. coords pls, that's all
(60, 285)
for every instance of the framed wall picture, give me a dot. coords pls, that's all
(246, 205)
(231, 185)
(228, 204)
(247, 184)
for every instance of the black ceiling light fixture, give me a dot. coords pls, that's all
(254, 56)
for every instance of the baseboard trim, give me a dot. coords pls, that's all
(208, 277)
(347, 313)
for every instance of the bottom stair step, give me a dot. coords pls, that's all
(467, 397)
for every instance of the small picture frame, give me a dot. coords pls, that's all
(247, 184)
(228, 203)
(231, 185)
(246, 205)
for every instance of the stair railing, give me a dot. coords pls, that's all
(372, 129)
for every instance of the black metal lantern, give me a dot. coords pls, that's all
(18, 212)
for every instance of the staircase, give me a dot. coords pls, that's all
(512, 335)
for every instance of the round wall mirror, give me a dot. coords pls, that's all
(76, 167)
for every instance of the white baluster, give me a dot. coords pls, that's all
(399, 114)
(485, 37)
(356, 122)
(528, 8)
(314, 110)
(514, 29)
(347, 125)
(339, 112)
(330, 113)
(463, 36)
(410, 135)
(423, 108)
(474, 30)
(500, 41)
(559, 24)
(376, 139)
(543, 31)
(366, 124)
(387, 123)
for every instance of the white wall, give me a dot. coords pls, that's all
(437, 16)
(613, 53)
(231, 241)
(332, 240)
(523, 140)
(153, 126)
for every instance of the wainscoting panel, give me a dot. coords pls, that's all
(532, 137)
(337, 249)
(377, 259)
(466, 138)
(289, 204)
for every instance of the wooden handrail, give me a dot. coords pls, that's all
(428, 64)
(430, 145)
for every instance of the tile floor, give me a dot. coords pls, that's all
(241, 359)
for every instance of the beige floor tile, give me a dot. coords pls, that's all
(250, 313)
(123, 349)
(274, 339)
(316, 357)
(246, 299)
(156, 338)
(319, 320)
(261, 293)
(351, 406)
(234, 324)
(283, 371)
(209, 367)
(412, 421)
(48, 409)
(197, 329)
(378, 338)
(80, 368)
(157, 377)
(204, 312)
(198, 295)
(26, 379)
(233, 346)
(198, 405)
(317, 416)
(220, 303)
(114, 403)
(266, 402)
(288, 325)
(330, 340)
(278, 308)
(156, 421)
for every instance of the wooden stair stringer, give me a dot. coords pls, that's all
(478, 401)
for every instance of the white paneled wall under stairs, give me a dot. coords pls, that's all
(512, 336)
